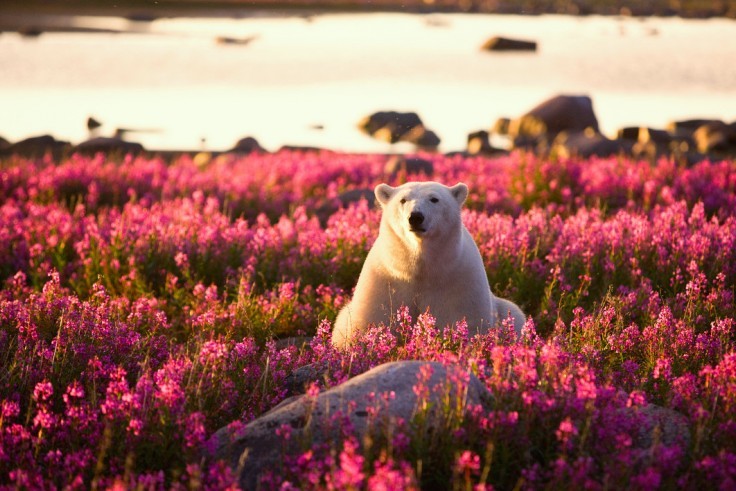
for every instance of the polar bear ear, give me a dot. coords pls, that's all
(383, 193)
(459, 192)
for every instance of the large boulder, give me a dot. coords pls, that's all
(312, 420)
(256, 447)
(560, 113)
(498, 43)
(108, 145)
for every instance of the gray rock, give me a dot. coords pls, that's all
(661, 425)
(298, 381)
(255, 448)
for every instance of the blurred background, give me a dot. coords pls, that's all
(180, 75)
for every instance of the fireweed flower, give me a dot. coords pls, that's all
(390, 476)
(565, 432)
(467, 462)
(144, 296)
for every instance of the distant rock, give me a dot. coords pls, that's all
(37, 147)
(501, 126)
(715, 137)
(92, 124)
(141, 16)
(587, 144)
(660, 137)
(649, 143)
(498, 43)
(693, 139)
(233, 40)
(560, 113)
(255, 448)
(4, 144)
(393, 127)
(301, 148)
(355, 195)
(398, 164)
(428, 140)
(246, 145)
(108, 145)
(479, 143)
(343, 200)
(687, 127)
(630, 133)
(30, 31)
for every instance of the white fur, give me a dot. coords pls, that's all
(438, 267)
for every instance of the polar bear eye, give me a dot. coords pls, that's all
(433, 200)
(403, 200)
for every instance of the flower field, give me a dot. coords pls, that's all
(145, 304)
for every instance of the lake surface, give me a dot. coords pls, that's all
(307, 80)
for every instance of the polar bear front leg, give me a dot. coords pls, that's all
(344, 328)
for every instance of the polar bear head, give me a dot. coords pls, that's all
(420, 211)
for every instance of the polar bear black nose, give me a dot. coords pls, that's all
(416, 218)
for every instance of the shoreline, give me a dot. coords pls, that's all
(36, 16)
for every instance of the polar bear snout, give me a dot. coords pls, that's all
(416, 219)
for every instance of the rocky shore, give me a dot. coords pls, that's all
(562, 126)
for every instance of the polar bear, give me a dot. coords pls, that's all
(423, 257)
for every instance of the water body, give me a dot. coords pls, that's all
(307, 80)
